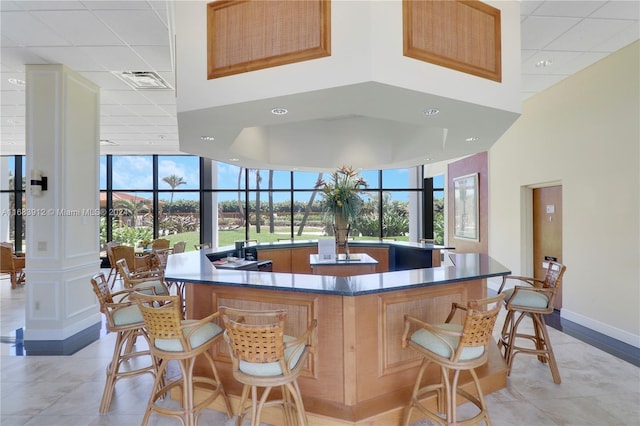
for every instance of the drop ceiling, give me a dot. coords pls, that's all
(102, 39)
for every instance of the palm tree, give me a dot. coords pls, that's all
(307, 210)
(173, 181)
(131, 207)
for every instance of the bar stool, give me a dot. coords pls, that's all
(263, 356)
(174, 339)
(533, 299)
(456, 348)
(147, 281)
(124, 319)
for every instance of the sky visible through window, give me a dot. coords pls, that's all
(135, 173)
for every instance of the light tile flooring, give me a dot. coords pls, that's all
(597, 388)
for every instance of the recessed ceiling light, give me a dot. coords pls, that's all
(544, 63)
(234, 159)
(107, 142)
(472, 139)
(431, 111)
(279, 111)
(11, 121)
(207, 138)
(17, 82)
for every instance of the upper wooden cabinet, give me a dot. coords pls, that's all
(249, 35)
(461, 35)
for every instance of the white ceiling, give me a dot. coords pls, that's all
(97, 38)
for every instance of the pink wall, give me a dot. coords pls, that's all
(477, 163)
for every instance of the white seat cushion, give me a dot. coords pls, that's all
(201, 336)
(269, 369)
(156, 284)
(434, 344)
(127, 315)
(526, 298)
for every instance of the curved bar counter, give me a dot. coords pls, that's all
(358, 373)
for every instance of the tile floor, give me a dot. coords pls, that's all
(597, 388)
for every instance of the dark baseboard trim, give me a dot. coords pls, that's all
(608, 344)
(68, 346)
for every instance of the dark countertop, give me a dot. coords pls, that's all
(195, 267)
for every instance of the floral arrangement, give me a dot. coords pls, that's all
(342, 192)
(144, 243)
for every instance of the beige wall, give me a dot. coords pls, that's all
(582, 133)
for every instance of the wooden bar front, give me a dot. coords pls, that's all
(359, 373)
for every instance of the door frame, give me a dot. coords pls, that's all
(526, 223)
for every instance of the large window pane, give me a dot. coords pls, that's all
(367, 224)
(307, 180)
(178, 172)
(132, 217)
(269, 179)
(132, 172)
(438, 216)
(274, 221)
(7, 198)
(396, 179)
(103, 172)
(231, 217)
(395, 215)
(228, 176)
(179, 218)
(308, 218)
(371, 177)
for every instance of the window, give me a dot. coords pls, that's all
(191, 199)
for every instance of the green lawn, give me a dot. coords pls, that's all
(228, 237)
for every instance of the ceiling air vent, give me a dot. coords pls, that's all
(143, 80)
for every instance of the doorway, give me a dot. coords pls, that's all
(547, 231)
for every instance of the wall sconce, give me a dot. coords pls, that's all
(38, 183)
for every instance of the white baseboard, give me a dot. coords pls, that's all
(600, 327)
(606, 329)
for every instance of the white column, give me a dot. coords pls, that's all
(62, 233)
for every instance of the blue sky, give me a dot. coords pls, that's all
(136, 173)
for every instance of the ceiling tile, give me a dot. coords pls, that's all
(538, 32)
(137, 27)
(52, 5)
(80, 28)
(587, 34)
(619, 10)
(114, 58)
(24, 29)
(573, 8)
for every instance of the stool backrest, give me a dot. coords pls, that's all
(102, 291)
(480, 319)
(162, 316)
(553, 277)
(255, 336)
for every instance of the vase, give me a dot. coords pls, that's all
(341, 228)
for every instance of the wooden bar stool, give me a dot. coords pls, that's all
(456, 348)
(533, 298)
(174, 339)
(124, 319)
(146, 281)
(263, 356)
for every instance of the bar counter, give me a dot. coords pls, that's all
(358, 373)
